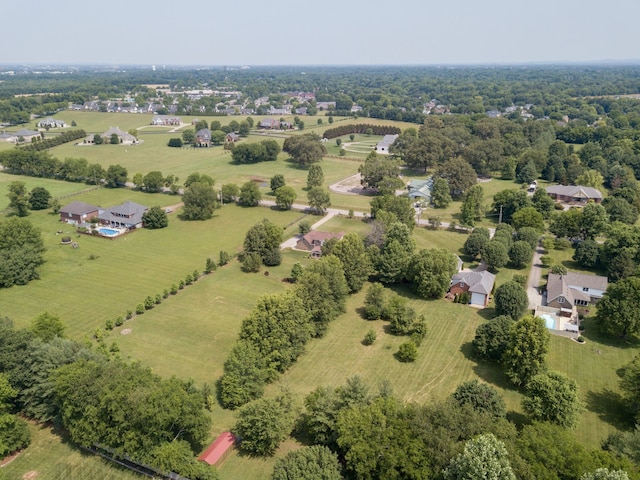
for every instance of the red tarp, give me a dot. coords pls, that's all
(218, 448)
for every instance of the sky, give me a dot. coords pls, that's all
(325, 32)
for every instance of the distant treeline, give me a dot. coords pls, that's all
(64, 137)
(44, 165)
(361, 128)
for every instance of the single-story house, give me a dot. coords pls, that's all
(220, 449)
(269, 124)
(52, 123)
(203, 138)
(574, 194)
(420, 189)
(574, 289)
(166, 120)
(78, 212)
(127, 215)
(23, 135)
(478, 283)
(325, 105)
(232, 137)
(384, 144)
(123, 137)
(312, 242)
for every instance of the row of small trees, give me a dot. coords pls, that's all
(361, 128)
(63, 137)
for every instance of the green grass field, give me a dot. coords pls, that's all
(190, 335)
(51, 457)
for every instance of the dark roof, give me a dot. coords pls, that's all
(78, 208)
(570, 286)
(129, 213)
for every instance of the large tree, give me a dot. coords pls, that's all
(484, 457)
(492, 338)
(263, 238)
(356, 262)
(511, 299)
(244, 375)
(440, 193)
(618, 310)
(250, 195)
(263, 424)
(552, 397)
(481, 397)
(430, 272)
(380, 172)
(18, 198)
(495, 254)
(459, 174)
(528, 346)
(304, 149)
(21, 252)
(508, 202)
(319, 199)
(155, 218)
(200, 200)
(314, 462)
(285, 196)
(116, 176)
(472, 208)
(39, 198)
(315, 176)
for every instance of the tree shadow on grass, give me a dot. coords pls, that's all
(610, 407)
(491, 373)
(487, 313)
(520, 420)
(592, 332)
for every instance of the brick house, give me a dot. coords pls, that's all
(312, 242)
(77, 213)
(478, 283)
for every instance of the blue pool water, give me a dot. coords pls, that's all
(108, 232)
(549, 321)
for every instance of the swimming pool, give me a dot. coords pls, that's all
(108, 232)
(549, 321)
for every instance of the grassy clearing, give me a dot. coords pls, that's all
(52, 457)
(56, 188)
(103, 278)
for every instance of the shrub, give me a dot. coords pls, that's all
(158, 299)
(210, 266)
(181, 285)
(149, 303)
(119, 321)
(174, 289)
(195, 275)
(224, 258)
(520, 279)
(272, 258)
(408, 352)
(546, 260)
(369, 337)
(188, 279)
(140, 309)
(561, 243)
(296, 271)
(251, 262)
(559, 269)
(175, 142)
(304, 227)
(108, 325)
(165, 294)
(350, 214)
(580, 339)
(129, 314)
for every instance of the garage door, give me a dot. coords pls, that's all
(477, 299)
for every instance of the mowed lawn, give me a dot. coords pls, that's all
(56, 188)
(103, 278)
(52, 457)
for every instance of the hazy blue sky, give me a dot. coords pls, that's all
(286, 32)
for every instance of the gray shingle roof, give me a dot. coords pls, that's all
(479, 282)
(574, 191)
(78, 208)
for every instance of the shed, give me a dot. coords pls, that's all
(219, 450)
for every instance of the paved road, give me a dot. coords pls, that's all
(535, 298)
